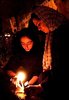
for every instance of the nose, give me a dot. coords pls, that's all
(26, 46)
(39, 28)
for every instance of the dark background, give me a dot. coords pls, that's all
(13, 7)
(9, 8)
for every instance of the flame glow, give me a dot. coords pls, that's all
(19, 84)
(21, 76)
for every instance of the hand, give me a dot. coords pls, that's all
(33, 89)
(11, 73)
(26, 83)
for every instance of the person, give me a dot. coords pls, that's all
(27, 56)
(41, 35)
(56, 84)
(34, 22)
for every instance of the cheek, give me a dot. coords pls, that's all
(40, 28)
(44, 29)
(35, 23)
(30, 46)
(23, 46)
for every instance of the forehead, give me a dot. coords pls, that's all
(36, 20)
(25, 39)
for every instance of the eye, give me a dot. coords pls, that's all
(39, 24)
(22, 43)
(30, 42)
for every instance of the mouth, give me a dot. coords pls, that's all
(27, 50)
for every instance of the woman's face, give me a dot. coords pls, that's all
(26, 43)
(41, 25)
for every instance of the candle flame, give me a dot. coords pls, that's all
(21, 76)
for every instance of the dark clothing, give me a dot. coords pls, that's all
(59, 61)
(30, 62)
(5, 89)
(56, 85)
(39, 34)
(42, 36)
(56, 88)
(32, 66)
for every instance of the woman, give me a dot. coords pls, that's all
(56, 85)
(27, 56)
(34, 22)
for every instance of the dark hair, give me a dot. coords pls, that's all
(64, 0)
(31, 24)
(33, 15)
(30, 33)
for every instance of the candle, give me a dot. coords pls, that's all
(19, 85)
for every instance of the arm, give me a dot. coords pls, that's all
(33, 80)
(11, 66)
(10, 73)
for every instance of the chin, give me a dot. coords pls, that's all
(27, 50)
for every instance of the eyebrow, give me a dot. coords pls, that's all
(27, 42)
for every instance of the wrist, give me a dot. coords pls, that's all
(26, 83)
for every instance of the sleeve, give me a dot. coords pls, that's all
(12, 64)
(38, 66)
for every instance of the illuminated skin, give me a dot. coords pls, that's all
(26, 43)
(41, 25)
